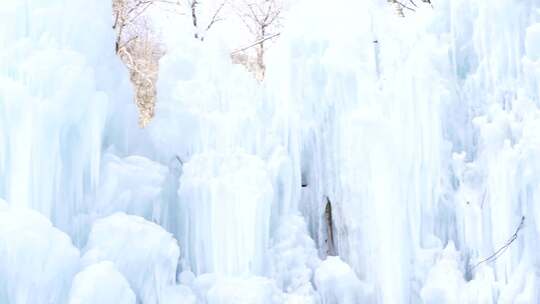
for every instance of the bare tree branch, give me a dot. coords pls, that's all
(501, 250)
(412, 2)
(139, 49)
(116, 15)
(144, 8)
(260, 18)
(194, 4)
(404, 6)
(215, 17)
(127, 42)
(255, 43)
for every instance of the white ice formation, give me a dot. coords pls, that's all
(382, 160)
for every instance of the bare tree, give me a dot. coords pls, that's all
(139, 48)
(262, 19)
(127, 13)
(196, 20)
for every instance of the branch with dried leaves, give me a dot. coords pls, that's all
(127, 12)
(139, 49)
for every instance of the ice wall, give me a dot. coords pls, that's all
(416, 132)
(368, 92)
(56, 89)
(496, 176)
(237, 177)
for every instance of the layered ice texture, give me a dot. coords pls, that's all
(382, 160)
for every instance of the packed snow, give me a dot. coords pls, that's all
(383, 159)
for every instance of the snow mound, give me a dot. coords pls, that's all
(101, 283)
(225, 213)
(144, 253)
(337, 283)
(37, 261)
(294, 258)
(445, 282)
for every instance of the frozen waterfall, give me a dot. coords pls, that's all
(383, 159)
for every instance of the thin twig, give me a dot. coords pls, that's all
(116, 20)
(216, 18)
(255, 43)
(194, 17)
(128, 41)
(148, 4)
(404, 6)
(501, 250)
